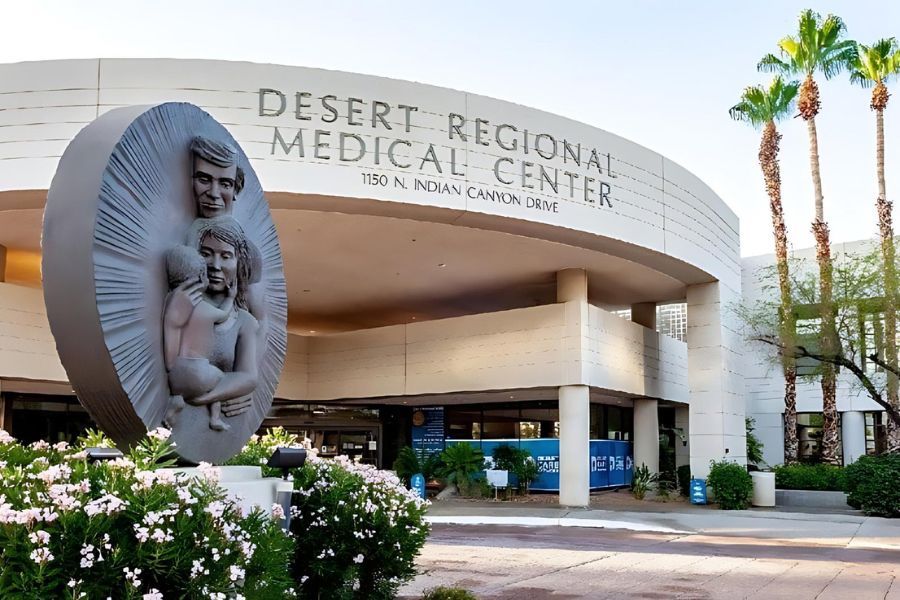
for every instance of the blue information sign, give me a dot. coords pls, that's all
(698, 491)
(417, 484)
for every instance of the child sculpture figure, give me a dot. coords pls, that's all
(189, 332)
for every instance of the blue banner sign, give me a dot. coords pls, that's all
(611, 461)
(428, 431)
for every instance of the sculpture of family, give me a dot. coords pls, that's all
(213, 316)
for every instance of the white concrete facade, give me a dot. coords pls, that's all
(764, 380)
(336, 146)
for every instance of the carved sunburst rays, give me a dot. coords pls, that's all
(145, 207)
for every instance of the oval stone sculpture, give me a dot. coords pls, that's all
(163, 280)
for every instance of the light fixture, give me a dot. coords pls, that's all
(101, 454)
(442, 265)
(287, 459)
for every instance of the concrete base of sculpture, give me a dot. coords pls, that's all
(249, 487)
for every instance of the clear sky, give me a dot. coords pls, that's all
(662, 74)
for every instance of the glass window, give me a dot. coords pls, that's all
(463, 422)
(500, 424)
(539, 420)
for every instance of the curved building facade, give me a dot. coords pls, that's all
(457, 266)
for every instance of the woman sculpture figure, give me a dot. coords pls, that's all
(210, 337)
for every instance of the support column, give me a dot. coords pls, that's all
(574, 400)
(646, 434)
(644, 313)
(574, 445)
(715, 381)
(2, 263)
(571, 285)
(853, 435)
(682, 444)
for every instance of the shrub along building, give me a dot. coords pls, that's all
(457, 268)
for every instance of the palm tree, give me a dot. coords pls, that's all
(873, 66)
(817, 48)
(762, 107)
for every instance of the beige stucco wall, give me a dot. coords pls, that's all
(549, 345)
(27, 349)
(621, 355)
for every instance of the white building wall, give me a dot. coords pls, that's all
(765, 383)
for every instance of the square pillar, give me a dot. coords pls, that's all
(644, 313)
(574, 445)
(646, 434)
(715, 380)
(853, 435)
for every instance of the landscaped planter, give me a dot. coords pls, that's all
(812, 499)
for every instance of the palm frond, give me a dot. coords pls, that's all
(772, 64)
(816, 47)
(760, 105)
(878, 62)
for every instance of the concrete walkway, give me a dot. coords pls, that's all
(844, 530)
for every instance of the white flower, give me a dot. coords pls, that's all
(132, 576)
(161, 434)
(39, 537)
(5, 438)
(209, 472)
(358, 558)
(41, 555)
(154, 594)
(235, 573)
(277, 511)
(106, 504)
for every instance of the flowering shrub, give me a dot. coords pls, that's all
(358, 530)
(128, 529)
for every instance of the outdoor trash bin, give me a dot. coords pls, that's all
(763, 488)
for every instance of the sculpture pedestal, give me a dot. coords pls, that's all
(249, 487)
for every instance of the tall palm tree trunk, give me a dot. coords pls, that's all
(808, 106)
(886, 229)
(768, 161)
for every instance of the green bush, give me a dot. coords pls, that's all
(519, 462)
(448, 593)
(408, 464)
(873, 485)
(810, 477)
(684, 480)
(128, 529)
(460, 462)
(358, 529)
(731, 484)
(754, 446)
(641, 480)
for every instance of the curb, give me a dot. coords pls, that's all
(551, 522)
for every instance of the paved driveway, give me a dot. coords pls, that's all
(526, 563)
